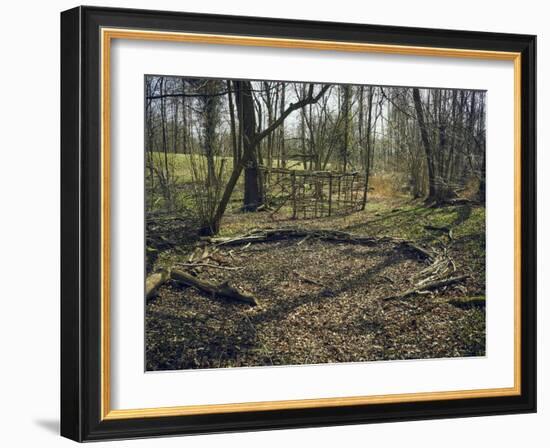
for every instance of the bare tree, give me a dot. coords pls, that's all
(251, 138)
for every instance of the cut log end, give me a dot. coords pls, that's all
(154, 282)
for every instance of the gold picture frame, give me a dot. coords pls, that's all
(517, 49)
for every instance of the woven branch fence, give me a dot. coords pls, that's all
(313, 194)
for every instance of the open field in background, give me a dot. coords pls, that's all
(181, 172)
(181, 164)
(180, 167)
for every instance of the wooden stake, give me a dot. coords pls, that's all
(330, 194)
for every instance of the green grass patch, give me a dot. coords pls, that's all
(180, 165)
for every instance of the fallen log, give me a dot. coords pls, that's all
(427, 287)
(437, 228)
(269, 235)
(154, 281)
(260, 236)
(444, 229)
(468, 302)
(421, 252)
(209, 265)
(223, 289)
(453, 202)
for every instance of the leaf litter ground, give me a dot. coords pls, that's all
(321, 302)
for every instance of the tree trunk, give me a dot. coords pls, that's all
(282, 148)
(236, 154)
(346, 100)
(164, 179)
(252, 192)
(368, 148)
(209, 128)
(252, 188)
(303, 131)
(481, 192)
(432, 188)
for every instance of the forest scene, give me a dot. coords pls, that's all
(294, 223)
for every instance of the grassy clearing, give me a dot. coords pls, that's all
(181, 174)
(180, 164)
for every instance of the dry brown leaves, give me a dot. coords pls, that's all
(320, 303)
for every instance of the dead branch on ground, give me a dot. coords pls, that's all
(209, 265)
(443, 229)
(427, 287)
(268, 235)
(224, 289)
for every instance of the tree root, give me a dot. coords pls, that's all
(268, 235)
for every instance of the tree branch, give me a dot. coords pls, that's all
(310, 99)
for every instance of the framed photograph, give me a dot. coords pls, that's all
(275, 224)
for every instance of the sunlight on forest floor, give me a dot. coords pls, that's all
(322, 301)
